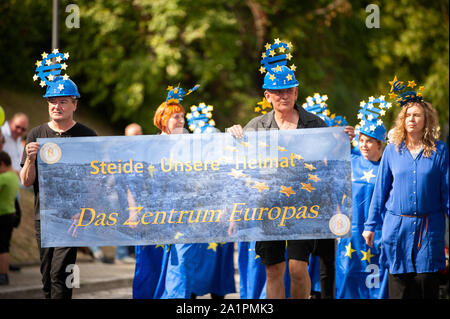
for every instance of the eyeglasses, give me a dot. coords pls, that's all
(23, 129)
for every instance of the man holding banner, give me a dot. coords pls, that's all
(62, 97)
(281, 90)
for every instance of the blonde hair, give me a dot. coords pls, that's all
(431, 127)
(164, 112)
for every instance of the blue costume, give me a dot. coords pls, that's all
(353, 256)
(414, 193)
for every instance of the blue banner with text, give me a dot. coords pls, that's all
(195, 188)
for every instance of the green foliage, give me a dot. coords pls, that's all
(126, 53)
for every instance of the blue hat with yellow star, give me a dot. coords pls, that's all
(370, 114)
(402, 95)
(49, 69)
(317, 105)
(200, 119)
(176, 94)
(278, 75)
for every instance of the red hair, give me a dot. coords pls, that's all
(164, 112)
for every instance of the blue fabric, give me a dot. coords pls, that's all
(419, 187)
(199, 269)
(149, 272)
(359, 274)
(252, 274)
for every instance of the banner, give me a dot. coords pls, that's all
(194, 188)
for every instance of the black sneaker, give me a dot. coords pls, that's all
(4, 279)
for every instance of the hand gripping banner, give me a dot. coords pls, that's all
(194, 188)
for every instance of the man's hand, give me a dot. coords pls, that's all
(236, 130)
(32, 149)
(350, 130)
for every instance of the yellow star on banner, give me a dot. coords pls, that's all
(263, 144)
(151, 169)
(212, 246)
(245, 144)
(366, 255)
(178, 235)
(349, 250)
(309, 166)
(368, 175)
(289, 45)
(288, 56)
(288, 191)
(160, 245)
(260, 186)
(307, 187)
(282, 149)
(313, 177)
(236, 173)
(248, 181)
(299, 157)
(231, 149)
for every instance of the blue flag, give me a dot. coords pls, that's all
(359, 272)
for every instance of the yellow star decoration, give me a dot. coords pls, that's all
(349, 250)
(262, 69)
(272, 77)
(151, 169)
(263, 55)
(277, 41)
(313, 177)
(289, 77)
(260, 186)
(236, 173)
(293, 67)
(212, 246)
(272, 52)
(307, 187)
(411, 84)
(160, 245)
(392, 83)
(288, 191)
(421, 88)
(299, 157)
(392, 96)
(44, 55)
(282, 149)
(366, 255)
(282, 49)
(309, 166)
(267, 46)
(278, 68)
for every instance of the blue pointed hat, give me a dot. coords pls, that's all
(278, 75)
(370, 114)
(49, 71)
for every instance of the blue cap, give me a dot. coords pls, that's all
(370, 114)
(278, 76)
(61, 86)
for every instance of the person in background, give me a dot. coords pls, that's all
(9, 185)
(412, 186)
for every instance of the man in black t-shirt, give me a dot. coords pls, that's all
(62, 97)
